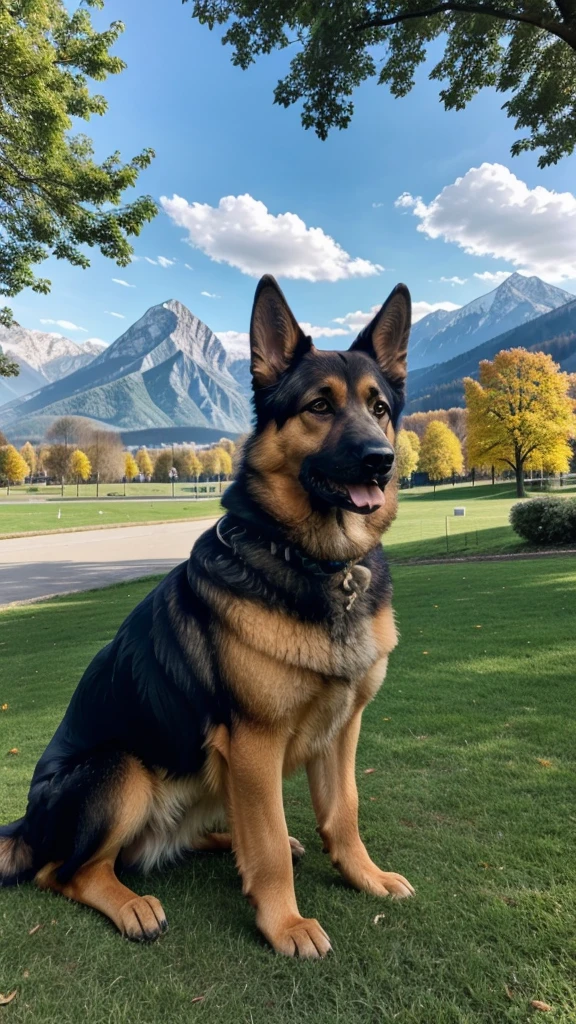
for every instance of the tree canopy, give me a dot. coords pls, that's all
(526, 50)
(130, 466)
(80, 467)
(144, 462)
(520, 414)
(13, 468)
(406, 453)
(55, 197)
(440, 452)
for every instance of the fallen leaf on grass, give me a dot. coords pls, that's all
(4, 1000)
(198, 999)
(379, 918)
(25, 974)
(509, 992)
(544, 762)
(537, 1004)
(386, 719)
(4, 707)
(35, 929)
(425, 652)
(369, 771)
(14, 750)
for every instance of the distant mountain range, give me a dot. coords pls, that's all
(441, 387)
(42, 358)
(167, 370)
(445, 334)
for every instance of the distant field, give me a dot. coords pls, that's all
(149, 490)
(426, 526)
(71, 515)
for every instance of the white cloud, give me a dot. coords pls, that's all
(376, 206)
(165, 262)
(118, 280)
(210, 295)
(98, 341)
(240, 341)
(66, 325)
(356, 321)
(455, 280)
(495, 277)
(149, 260)
(407, 201)
(491, 212)
(119, 315)
(188, 267)
(235, 342)
(421, 309)
(242, 232)
(321, 332)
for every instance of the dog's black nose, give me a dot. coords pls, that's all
(377, 460)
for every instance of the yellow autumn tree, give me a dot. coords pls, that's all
(145, 464)
(80, 467)
(210, 459)
(13, 468)
(130, 466)
(520, 414)
(29, 455)
(228, 446)
(440, 452)
(406, 457)
(414, 440)
(192, 464)
(225, 459)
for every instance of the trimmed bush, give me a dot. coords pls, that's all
(545, 520)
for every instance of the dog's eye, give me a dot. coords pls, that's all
(319, 405)
(380, 408)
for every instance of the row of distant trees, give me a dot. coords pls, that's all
(519, 416)
(73, 451)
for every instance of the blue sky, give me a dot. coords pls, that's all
(217, 134)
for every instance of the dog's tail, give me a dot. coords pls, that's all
(16, 859)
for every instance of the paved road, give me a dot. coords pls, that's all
(33, 567)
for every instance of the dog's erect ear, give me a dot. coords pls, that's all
(385, 338)
(275, 336)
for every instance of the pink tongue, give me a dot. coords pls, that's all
(365, 494)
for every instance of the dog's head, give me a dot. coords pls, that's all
(323, 450)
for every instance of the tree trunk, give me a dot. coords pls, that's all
(493, 474)
(519, 470)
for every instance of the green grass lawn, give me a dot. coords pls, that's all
(44, 516)
(472, 741)
(427, 528)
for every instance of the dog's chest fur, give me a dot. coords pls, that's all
(304, 677)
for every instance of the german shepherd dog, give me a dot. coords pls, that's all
(252, 658)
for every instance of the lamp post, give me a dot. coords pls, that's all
(173, 474)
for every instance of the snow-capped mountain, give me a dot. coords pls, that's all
(42, 358)
(443, 335)
(168, 369)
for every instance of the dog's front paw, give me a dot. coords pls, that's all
(302, 937)
(383, 883)
(142, 919)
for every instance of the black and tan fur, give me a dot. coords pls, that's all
(251, 659)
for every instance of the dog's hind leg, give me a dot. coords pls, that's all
(94, 882)
(221, 842)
